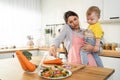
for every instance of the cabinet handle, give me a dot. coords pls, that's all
(114, 17)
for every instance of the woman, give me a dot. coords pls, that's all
(72, 36)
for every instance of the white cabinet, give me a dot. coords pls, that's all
(57, 8)
(111, 8)
(34, 52)
(113, 63)
(12, 54)
(6, 55)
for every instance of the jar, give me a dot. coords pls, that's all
(113, 46)
(107, 46)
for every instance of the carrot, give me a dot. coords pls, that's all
(55, 61)
(22, 64)
(25, 62)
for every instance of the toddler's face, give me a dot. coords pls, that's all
(93, 18)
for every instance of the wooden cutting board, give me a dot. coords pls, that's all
(76, 67)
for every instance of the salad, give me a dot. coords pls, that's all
(55, 72)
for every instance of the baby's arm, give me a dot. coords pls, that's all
(97, 44)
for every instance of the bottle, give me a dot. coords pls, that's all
(107, 46)
(113, 46)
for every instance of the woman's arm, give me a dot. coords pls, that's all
(55, 44)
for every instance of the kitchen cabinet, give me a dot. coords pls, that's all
(114, 63)
(57, 9)
(111, 9)
(34, 52)
(10, 53)
(6, 55)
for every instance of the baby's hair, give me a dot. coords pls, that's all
(93, 9)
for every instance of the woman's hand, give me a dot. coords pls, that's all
(53, 51)
(96, 49)
(88, 47)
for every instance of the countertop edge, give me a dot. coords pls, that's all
(105, 53)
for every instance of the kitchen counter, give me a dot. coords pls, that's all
(29, 49)
(62, 50)
(106, 53)
(15, 72)
(13, 50)
(110, 53)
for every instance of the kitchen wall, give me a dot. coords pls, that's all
(19, 18)
(111, 32)
(53, 11)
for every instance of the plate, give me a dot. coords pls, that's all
(55, 78)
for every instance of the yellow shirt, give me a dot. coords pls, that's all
(97, 30)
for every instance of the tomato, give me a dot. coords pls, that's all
(47, 74)
(58, 72)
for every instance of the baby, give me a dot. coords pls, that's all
(93, 35)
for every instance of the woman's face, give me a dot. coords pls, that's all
(73, 21)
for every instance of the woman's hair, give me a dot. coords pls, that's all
(68, 14)
(93, 9)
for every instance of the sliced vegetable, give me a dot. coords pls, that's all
(54, 72)
(54, 61)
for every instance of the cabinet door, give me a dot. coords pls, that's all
(111, 8)
(34, 52)
(113, 63)
(6, 55)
